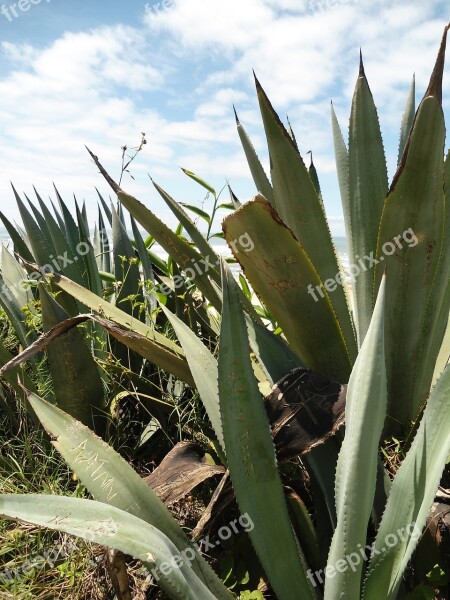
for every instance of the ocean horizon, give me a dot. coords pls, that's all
(219, 246)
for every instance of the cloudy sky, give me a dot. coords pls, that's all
(100, 73)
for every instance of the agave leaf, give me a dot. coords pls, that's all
(279, 270)
(43, 249)
(155, 347)
(70, 256)
(147, 269)
(260, 178)
(272, 352)
(14, 275)
(178, 249)
(444, 352)
(115, 314)
(20, 245)
(91, 274)
(72, 230)
(368, 185)
(105, 207)
(10, 305)
(292, 134)
(77, 383)
(407, 119)
(105, 251)
(411, 496)
(436, 332)
(277, 359)
(172, 243)
(15, 375)
(212, 259)
(57, 214)
(300, 208)
(251, 456)
(15, 294)
(304, 528)
(342, 167)
(109, 526)
(129, 298)
(40, 244)
(314, 177)
(43, 226)
(135, 341)
(203, 367)
(414, 218)
(111, 480)
(358, 458)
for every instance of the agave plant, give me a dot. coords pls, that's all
(391, 348)
(112, 271)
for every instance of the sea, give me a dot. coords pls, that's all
(221, 248)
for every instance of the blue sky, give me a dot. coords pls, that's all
(99, 73)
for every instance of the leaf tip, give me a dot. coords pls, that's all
(361, 65)
(236, 116)
(435, 86)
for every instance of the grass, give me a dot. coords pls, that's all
(35, 563)
(43, 564)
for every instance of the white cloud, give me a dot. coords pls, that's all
(178, 76)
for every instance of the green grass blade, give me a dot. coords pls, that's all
(411, 496)
(368, 188)
(280, 270)
(200, 181)
(109, 526)
(251, 456)
(358, 459)
(110, 479)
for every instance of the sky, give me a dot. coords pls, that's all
(76, 73)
